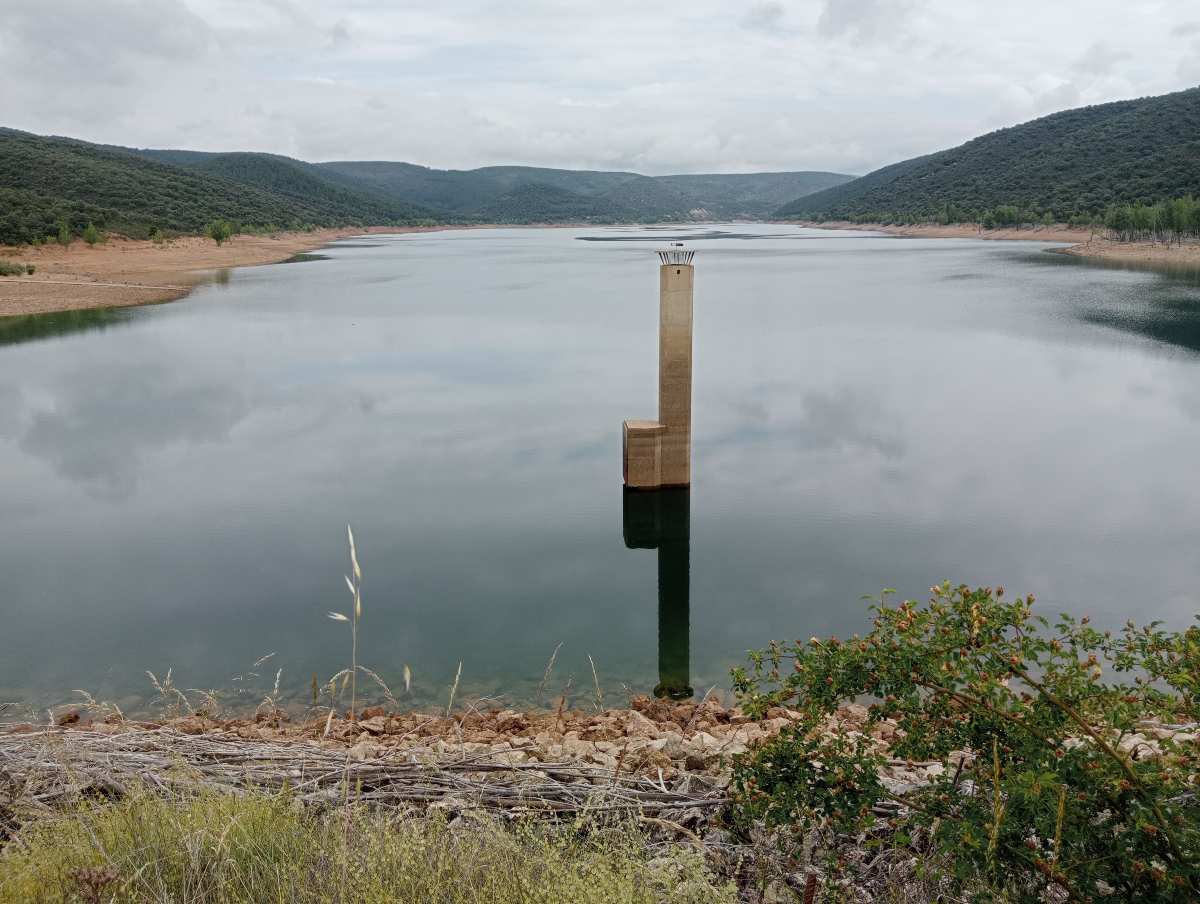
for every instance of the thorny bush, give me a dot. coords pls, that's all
(1070, 754)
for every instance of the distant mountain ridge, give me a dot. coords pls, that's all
(1073, 163)
(46, 182)
(614, 195)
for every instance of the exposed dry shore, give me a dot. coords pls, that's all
(1150, 254)
(651, 737)
(1085, 242)
(122, 272)
(1059, 233)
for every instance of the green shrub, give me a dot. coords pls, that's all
(30, 268)
(226, 849)
(11, 268)
(92, 235)
(219, 230)
(1057, 786)
(64, 235)
(156, 236)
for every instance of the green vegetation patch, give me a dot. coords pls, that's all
(1064, 762)
(227, 849)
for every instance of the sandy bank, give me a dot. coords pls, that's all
(124, 272)
(1150, 253)
(1057, 233)
(1086, 243)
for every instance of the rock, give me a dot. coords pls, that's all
(511, 722)
(577, 749)
(372, 712)
(694, 762)
(365, 750)
(607, 760)
(884, 731)
(673, 745)
(192, 725)
(638, 726)
(375, 724)
(853, 715)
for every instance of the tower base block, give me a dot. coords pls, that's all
(641, 443)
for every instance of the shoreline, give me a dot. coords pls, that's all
(1084, 243)
(133, 272)
(1056, 233)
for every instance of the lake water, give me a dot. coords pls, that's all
(870, 411)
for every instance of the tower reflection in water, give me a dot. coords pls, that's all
(661, 519)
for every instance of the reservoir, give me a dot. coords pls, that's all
(869, 411)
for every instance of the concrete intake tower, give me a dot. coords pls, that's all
(659, 453)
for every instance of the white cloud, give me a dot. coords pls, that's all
(706, 86)
(865, 19)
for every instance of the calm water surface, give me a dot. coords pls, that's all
(870, 411)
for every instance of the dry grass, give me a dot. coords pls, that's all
(228, 849)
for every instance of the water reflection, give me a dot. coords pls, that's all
(1165, 309)
(1171, 314)
(661, 519)
(31, 327)
(174, 493)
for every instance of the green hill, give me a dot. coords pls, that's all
(535, 202)
(448, 191)
(306, 184)
(648, 199)
(506, 194)
(1073, 163)
(44, 181)
(477, 193)
(48, 181)
(583, 182)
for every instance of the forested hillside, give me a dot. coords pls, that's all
(649, 199)
(535, 202)
(305, 183)
(48, 182)
(1071, 164)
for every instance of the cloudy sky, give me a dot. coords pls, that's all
(707, 85)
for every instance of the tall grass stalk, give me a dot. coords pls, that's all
(355, 585)
(599, 698)
(541, 691)
(454, 688)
